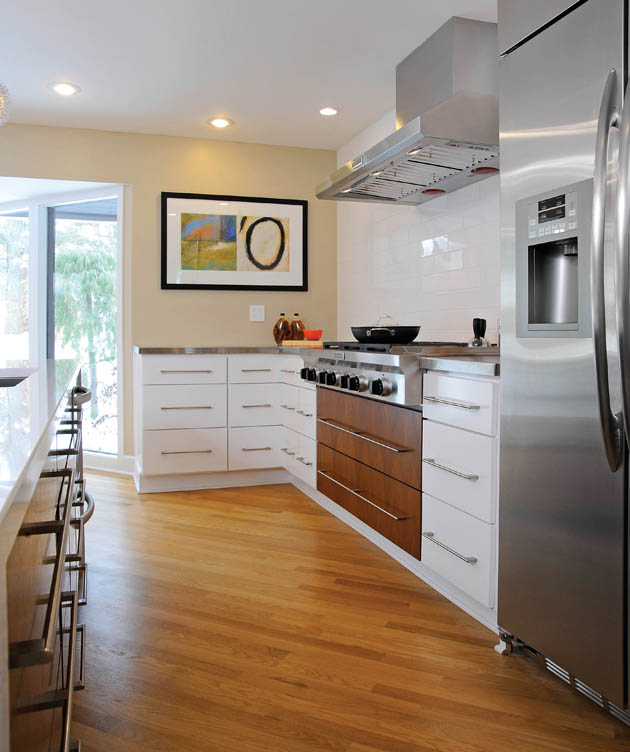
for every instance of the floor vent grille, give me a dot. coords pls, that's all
(558, 671)
(590, 693)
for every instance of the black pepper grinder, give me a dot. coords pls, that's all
(479, 331)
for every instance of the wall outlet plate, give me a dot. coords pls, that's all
(257, 313)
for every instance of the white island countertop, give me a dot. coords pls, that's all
(29, 411)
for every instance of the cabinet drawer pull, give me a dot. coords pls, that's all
(433, 463)
(284, 370)
(431, 536)
(453, 403)
(256, 449)
(191, 370)
(304, 413)
(362, 436)
(304, 462)
(286, 451)
(359, 496)
(255, 370)
(189, 451)
(287, 407)
(188, 407)
(267, 404)
(31, 652)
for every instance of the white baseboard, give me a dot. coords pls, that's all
(487, 616)
(200, 481)
(109, 463)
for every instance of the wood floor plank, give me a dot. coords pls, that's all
(251, 620)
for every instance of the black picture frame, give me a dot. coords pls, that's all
(166, 285)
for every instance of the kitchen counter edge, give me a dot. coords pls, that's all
(480, 365)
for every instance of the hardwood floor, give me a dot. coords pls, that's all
(252, 620)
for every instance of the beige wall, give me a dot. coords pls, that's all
(151, 164)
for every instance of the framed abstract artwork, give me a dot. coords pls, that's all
(233, 243)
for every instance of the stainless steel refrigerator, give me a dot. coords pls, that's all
(563, 534)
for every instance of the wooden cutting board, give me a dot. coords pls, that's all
(303, 343)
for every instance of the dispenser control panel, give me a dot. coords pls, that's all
(552, 216)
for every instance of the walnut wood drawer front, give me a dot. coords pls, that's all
(190, 450)
(385, 437)
(184, 369)
(467, 403)
(460, 548)
(184, 406)
(460, 468)
(386, 505)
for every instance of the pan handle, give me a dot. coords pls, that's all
(368, 333)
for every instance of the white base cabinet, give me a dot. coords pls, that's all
(222, 413)
(460, 477)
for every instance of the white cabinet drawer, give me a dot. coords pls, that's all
(306, 460)
(289, 369)
(255, 448)
(460, 467)
(289, 405)
(460, 548)
(253, 369)
(462, 402)
(184, 406)
(192, 450)
(184, 369)
(254, 404)
(307, 412)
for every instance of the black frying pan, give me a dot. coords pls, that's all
(383, 335)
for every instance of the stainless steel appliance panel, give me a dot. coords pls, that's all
(520, 19)
(561, 546)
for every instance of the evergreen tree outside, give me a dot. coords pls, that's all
(85, 317)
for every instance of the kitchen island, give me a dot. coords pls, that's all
(31, 409)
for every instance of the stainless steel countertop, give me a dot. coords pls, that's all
(475, 365)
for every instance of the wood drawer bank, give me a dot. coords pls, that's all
(385, 437)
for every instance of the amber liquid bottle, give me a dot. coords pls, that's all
(281, 330)
(297, 327)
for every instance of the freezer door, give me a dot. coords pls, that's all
(562, 510)
(518, 19)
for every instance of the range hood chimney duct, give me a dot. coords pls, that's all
(447, 120)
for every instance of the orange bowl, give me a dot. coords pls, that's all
(313, 334)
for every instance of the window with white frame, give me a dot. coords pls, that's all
(60, 297)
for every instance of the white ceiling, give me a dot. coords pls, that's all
(152, 66)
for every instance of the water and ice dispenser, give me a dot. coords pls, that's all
(552, 262)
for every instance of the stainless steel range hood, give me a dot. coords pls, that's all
(447, 115)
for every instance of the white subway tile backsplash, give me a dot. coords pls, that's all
(434, 265)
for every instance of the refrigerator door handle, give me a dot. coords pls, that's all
(622, 262)
(612, 425)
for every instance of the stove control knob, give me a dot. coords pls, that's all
(381, 387)
(322, 376)
(344, 381)
(331, 378)
(357, 383)
(311, 374)
(304, 373)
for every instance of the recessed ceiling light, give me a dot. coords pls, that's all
(417, 150)
(328, 111)
(225, 203)
(376, 173)
(221, 122)
(346, 190)
(65, 88)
